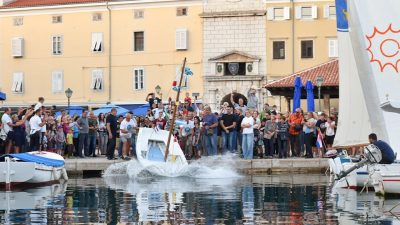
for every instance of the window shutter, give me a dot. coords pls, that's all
(99, 83)
(95, 81)
(270, 13)
(141, 72)
(333, 48)
(17, 46)
(298, 12)
(57, 81)
(326, 11)
(97, 42)
(18, 79)
(181, 39)
(314, 12)
(286, 13)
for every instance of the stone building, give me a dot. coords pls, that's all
(234, 48)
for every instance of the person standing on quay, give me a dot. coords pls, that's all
(83, 125)
(112, 133)
(93, 125)
(248, 136)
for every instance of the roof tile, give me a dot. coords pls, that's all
(328, 70)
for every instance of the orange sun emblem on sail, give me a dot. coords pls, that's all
(384, 47)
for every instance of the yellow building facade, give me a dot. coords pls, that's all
(53, 48)
(118, 51)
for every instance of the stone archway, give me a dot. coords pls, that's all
(236, 96)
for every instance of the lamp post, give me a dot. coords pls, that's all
(68, 93)
(320, 81)
(158, 91)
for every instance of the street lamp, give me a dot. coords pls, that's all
(158, 91)
(68, 93)
(320, 81)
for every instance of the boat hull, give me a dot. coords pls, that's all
(29, 173)
(151, 150)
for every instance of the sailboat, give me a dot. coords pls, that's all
(155, 149)
(374, 43)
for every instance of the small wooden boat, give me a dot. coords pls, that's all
(155, 149)
(151, 150)
(32, 168)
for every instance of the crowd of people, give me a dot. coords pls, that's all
(237, 127)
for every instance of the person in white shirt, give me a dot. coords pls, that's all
(247, 135)
(36, 123)
(330, 132)
(8, 129)
(39, 105)
(126, 130)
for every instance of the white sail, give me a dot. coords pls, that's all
(375, 37)
(353, 125)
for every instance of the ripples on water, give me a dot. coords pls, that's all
(283, 199)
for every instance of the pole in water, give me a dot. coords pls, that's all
(8, 175)
(172, 127)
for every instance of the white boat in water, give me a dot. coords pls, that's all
(155, 149)
(359, 178)
(151, 149)
(369, 80)
(32, 168)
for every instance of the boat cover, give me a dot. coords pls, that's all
(38, 159)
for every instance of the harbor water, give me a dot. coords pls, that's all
(118, 199)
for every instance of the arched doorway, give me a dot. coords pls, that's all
(236, 96)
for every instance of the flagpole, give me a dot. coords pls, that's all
(172, 125)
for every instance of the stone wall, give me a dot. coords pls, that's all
(222, 34)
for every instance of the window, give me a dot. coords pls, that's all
(97, 17)
(332, 48)
(17, 85)
(181, 39)
(57, 19)
(18, 21)
(330, 11)
(57, 81)
(17, 45)
(138, 43)
(307, 50)
(278, 50)
(97, 80)
(138, 14)
(306, 12)
(181, 11)
(57, 45)
(97, 42)
(233, 69)
(138, 79)
(278, 13)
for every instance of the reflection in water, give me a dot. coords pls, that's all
(292, 199)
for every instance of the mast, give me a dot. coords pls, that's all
(172, 125)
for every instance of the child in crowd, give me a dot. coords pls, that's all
(70, 143)
(60, 140)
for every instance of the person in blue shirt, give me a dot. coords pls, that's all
(388, 156)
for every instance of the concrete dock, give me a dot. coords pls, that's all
(256, 166)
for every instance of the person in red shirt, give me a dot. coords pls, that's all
(160, 122)
(296, 121)
(187, 98)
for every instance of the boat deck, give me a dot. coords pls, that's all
(80, 166)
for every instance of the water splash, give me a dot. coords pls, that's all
(205, 168)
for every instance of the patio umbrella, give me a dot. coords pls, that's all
(2, 96)
(107, 108)
(297, 93)
(310, 96)
(141, 110)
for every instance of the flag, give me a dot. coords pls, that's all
(319, 140)
(188, 71)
